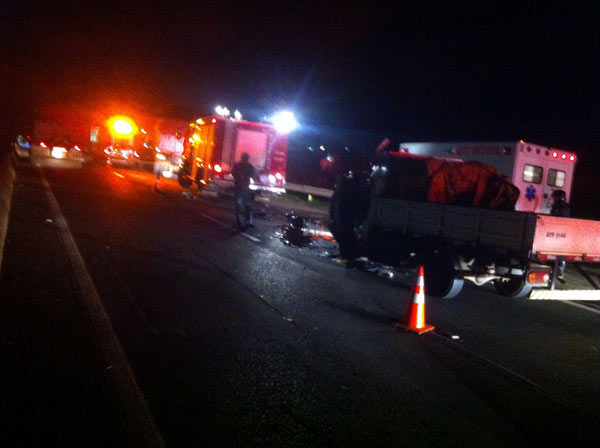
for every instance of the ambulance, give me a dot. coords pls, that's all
(535, 169)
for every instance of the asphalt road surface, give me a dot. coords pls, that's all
(135, 317)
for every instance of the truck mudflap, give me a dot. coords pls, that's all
(564, 294)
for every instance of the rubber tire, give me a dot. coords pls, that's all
(515, 288)
(342, 228)
(440, 277)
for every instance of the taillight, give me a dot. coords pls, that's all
(43, 145)
(538, 277)
(218, 168)
(77, 148)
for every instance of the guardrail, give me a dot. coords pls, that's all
(307, 189)
(7, 177)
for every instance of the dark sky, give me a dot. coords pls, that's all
(352, 71)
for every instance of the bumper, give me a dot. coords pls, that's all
(565, 294)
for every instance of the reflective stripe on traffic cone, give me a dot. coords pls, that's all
(414, 318)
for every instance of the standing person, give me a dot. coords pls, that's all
(560, 207)
(242, 172)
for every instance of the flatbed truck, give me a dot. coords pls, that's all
(517, 251)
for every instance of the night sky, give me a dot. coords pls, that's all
(354, 72)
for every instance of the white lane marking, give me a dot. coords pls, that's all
(225, 225)
(583, 307)
(210, 218)
(250, 237)
(6, 202)
(133, 403)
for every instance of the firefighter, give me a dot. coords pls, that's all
(243, 172)
(560, 207)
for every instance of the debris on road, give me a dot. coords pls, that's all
(301, 231)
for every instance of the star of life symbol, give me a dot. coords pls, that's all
(530, 193)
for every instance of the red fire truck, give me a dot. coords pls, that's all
(214, 143)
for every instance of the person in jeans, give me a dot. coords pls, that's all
(242, 172)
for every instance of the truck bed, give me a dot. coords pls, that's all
(512, 232)
(526, 234)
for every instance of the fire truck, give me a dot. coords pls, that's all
(214, 143)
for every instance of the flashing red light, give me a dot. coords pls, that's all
(278, 176)
(572, 158)
(554, 154)
(564, 156)
(218, 168)
(43, 145)
(214, 120)
(77, 148)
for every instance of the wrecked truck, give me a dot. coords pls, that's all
(457, 218)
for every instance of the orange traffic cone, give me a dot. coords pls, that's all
(414, 318)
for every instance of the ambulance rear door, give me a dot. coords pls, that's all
(538, 172)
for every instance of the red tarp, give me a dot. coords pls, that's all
(445, 182)
(470, 183)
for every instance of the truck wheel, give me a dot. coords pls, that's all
(440, 276)
(342, 228)
(513, 287)
(347, 243)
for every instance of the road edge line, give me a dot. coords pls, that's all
(132, 401)
(7, 197)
